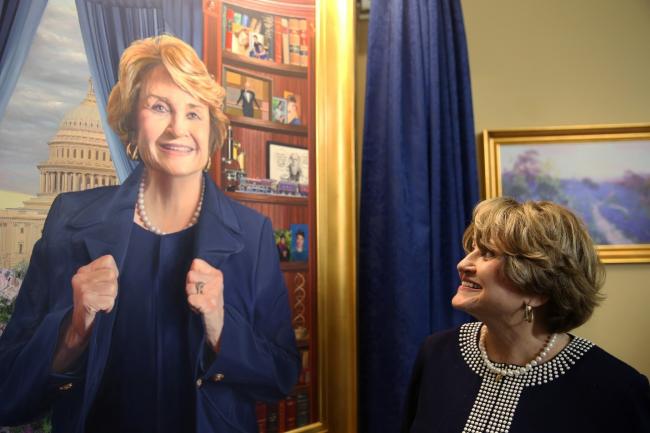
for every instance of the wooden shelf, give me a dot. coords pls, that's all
(294, 266)
(268, 198)
(266, 125)
(267, 66)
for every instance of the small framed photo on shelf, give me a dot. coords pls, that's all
(248, 33)
(279, 110)
(288, 163)
(247, 95)
(299, 242)
(293, 108)
(283, 244)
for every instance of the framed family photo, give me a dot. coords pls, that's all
(600, 172)
(247, 95)
(288, 163)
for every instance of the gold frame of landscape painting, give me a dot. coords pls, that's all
(602, 172)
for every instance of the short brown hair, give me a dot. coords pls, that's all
(186, 70)
(547, 251)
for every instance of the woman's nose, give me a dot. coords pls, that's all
(466, 264)
(178, 125)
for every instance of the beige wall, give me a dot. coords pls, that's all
(564, 62)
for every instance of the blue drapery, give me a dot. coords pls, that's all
(19, 20)
(419, 185)
(109, 26)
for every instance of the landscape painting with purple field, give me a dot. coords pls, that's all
(607, 183)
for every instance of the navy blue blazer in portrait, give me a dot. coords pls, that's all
(257, 360)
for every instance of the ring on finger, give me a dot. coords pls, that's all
(199, 287)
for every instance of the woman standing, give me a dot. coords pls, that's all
(158, 305)
(531, 274)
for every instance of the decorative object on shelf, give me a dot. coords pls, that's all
(232, 166)
(600, 172)
(246, 94)
(272, 187)
(288, 163)
(279, 110)
(299, 320)
(293, 108)
(248, 33)
(282, 242)
(299, 242)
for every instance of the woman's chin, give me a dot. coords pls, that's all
(464, 300)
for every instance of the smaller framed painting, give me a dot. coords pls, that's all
(247, 95)
(288, 163)
(299, 242)
(602, 173)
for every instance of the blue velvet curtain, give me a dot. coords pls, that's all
(109, 26)
(19, 20)
(419, 186)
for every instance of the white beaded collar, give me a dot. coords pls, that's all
(537, 375)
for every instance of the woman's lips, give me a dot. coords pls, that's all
(176, 148)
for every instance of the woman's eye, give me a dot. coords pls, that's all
(487, 253)
(193, 116)
(160, 108)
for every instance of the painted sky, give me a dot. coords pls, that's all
(53, 81)
(599, 161)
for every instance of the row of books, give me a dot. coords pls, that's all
(264, 36)
(285, 415)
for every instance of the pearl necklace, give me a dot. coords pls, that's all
(145, 219)
(517, 371)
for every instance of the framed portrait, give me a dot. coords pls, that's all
(600, 172)
(299, 242)
(247, 95)
(288, 163)
(283, 243)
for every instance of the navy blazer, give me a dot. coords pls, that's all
(257, 360)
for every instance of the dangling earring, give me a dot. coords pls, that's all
(207, 167)
(132, 151)
(528, 313)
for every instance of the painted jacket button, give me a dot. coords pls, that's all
(218, 377)
(65, 387)
(199, 382)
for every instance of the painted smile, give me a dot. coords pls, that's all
(181, 148)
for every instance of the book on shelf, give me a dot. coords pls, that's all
(260, 415)
(294, 42)
(282, 416)
(302, 409)
(290, 420)
(272, 418)
(304, 44)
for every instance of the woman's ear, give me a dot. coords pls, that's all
(536, 301)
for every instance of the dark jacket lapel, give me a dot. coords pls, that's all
(218, 236)
(105, 228)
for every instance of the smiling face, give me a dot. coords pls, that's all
(173, 127)
(485, 292)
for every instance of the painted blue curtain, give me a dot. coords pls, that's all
(419, 185)
(109, 26)
(19, 20)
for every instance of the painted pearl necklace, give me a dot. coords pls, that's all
(517, 371)
(145, 219)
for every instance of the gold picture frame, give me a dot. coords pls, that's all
(336, 219)
(597, 171)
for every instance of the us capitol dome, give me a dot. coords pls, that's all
(78, 159)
